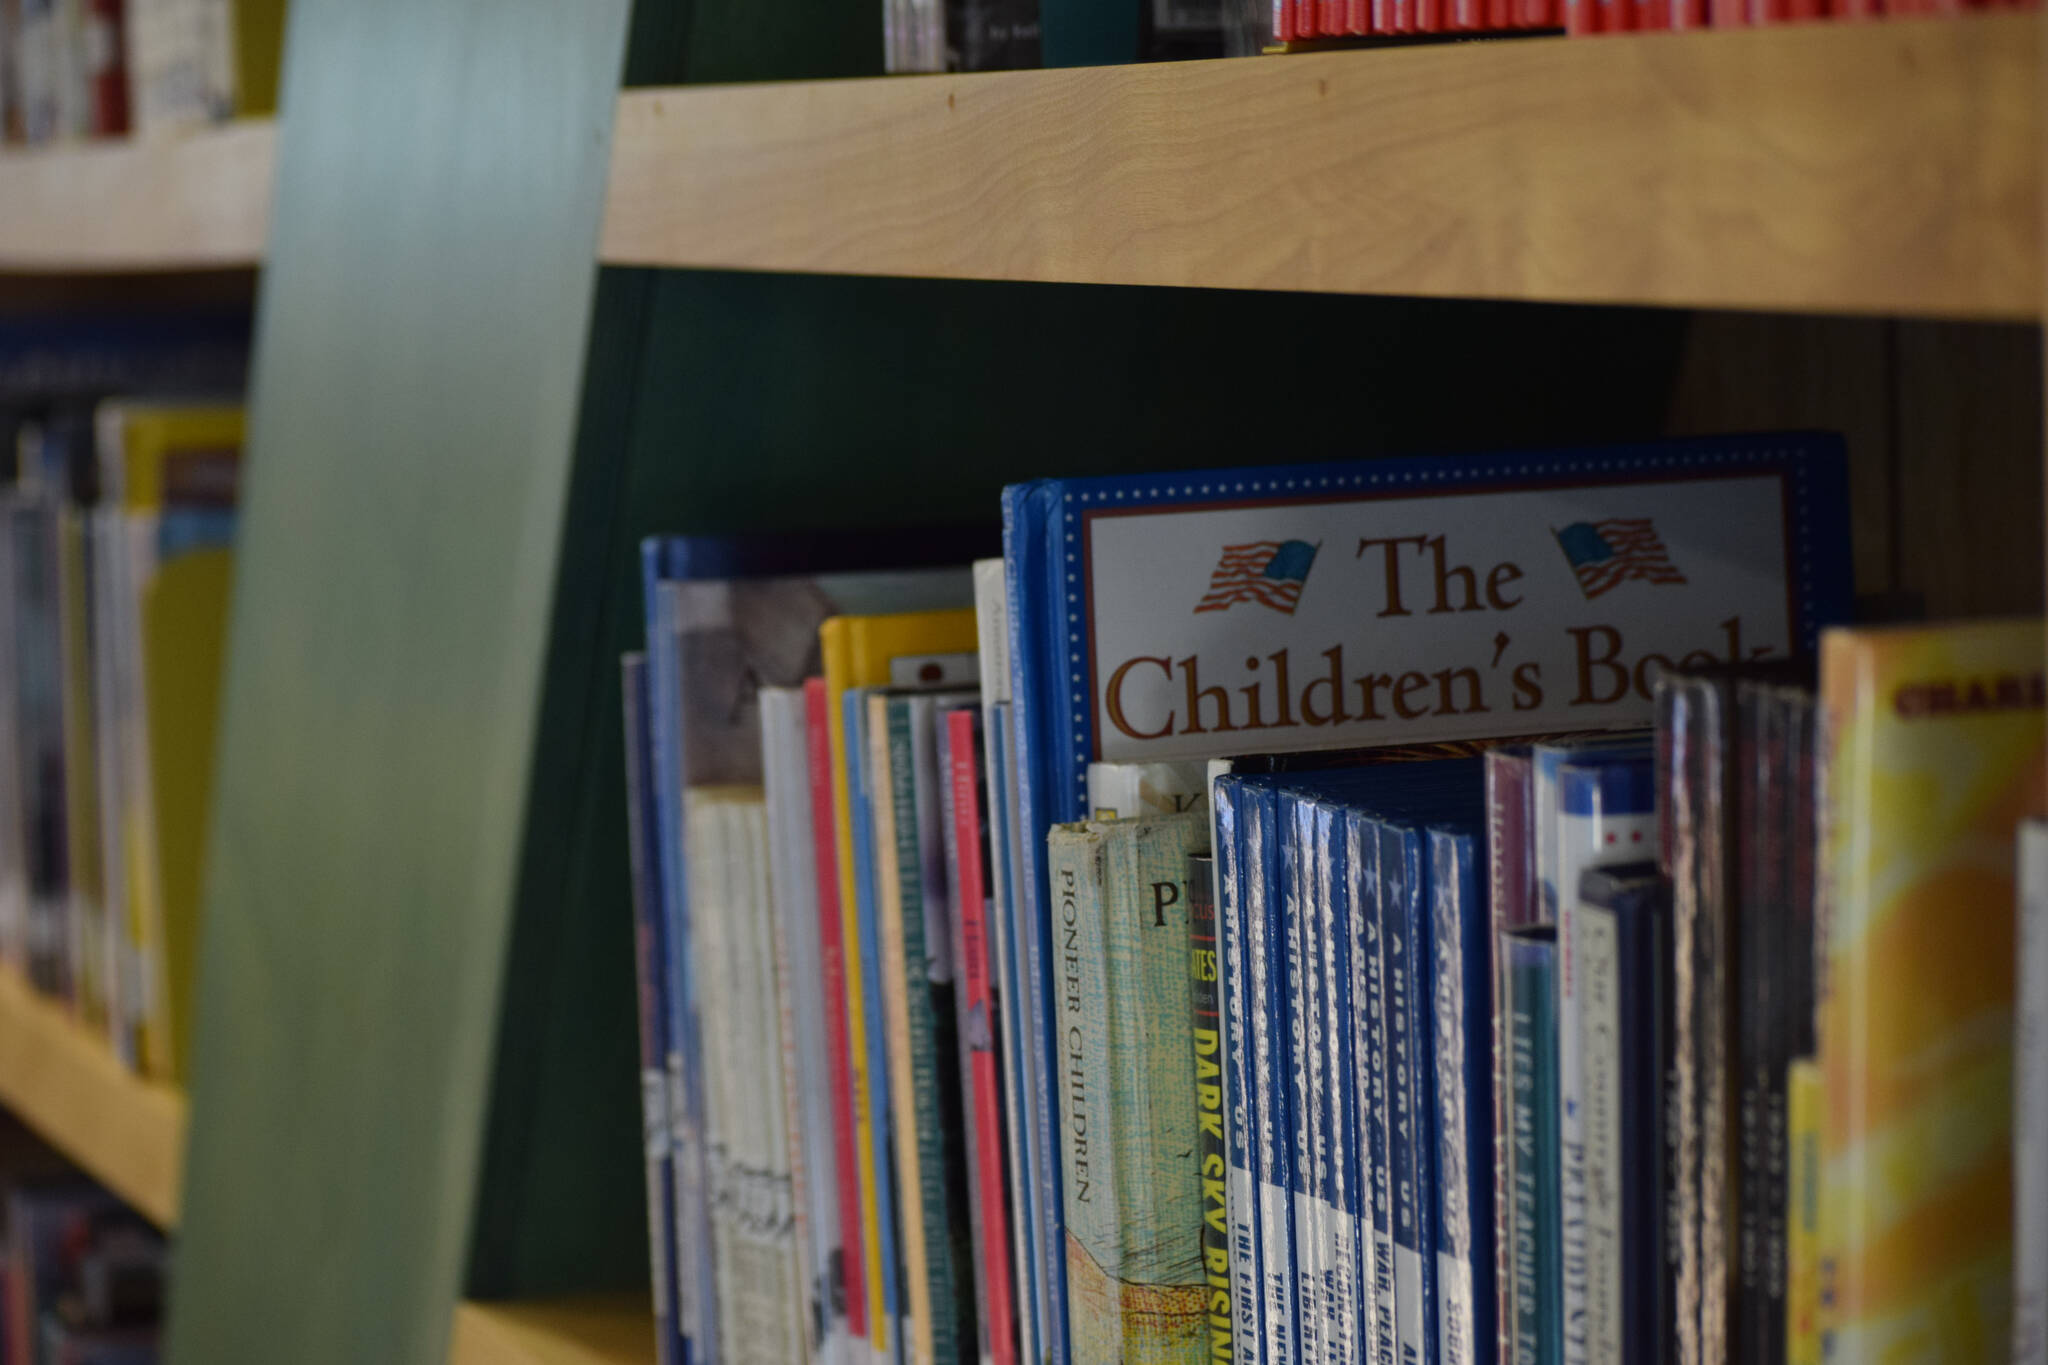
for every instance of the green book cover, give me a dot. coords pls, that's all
(1136, 1288)
(1529, 1002)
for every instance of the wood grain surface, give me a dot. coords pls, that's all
(1838, 168)
(63, 1081)
(194, 202)
(595, 1330)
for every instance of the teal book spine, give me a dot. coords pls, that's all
(1535, 1219)
(1137, 1291)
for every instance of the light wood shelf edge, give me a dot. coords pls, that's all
(196, 202)
(63, 1081)
(590, 1330)
(1861, 168)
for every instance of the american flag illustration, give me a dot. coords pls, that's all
(1606, 554)
(1268, 572)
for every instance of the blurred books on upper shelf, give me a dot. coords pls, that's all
(116, 528)
(1410, 909)
(82, 69)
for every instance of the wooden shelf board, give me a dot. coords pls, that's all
(1887, 168)
(189, 203)
(593, 1330)
(64, 1081)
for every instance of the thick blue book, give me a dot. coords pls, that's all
(878, 1099)
(1622, 938)
(1271, 1024)
(1301, 984)
(1346, 1253)
(1369, 990)
(1240, 1129)
(1405, 601)
(1404, 930)
(648, 955)
(1462, 995)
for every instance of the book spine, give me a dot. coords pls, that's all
(852, 1302)
(1508, 873)
(1016, 1032)
(696, 1299)
(1760, 898)
(1407, 1093)
(1032, 583)
(652, 1011)
(1537, 1336)
(106, 68)
(1267, 1006)
(1248, 1328)
(1304, 1047)
(1459, 957)
(1806, 1098)
(978, 1029)
(1345, 1302)
(1212, 1150)
(705, 836)
(1598, 1099)
(1370, 1041)
(1074, 864)
(873, 1094)
(2030, 1107)
(899, 929)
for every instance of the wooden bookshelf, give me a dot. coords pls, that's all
(64, 1081)
(598, 1330)
(190, 203)
(1869, 168)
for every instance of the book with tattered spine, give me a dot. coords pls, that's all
(1137, 1292)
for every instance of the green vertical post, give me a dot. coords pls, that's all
(422, 330)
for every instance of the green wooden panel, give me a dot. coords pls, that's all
(420, 346)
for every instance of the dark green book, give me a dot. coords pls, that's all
(1529, 1010)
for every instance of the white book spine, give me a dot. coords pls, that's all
(2030, 1119)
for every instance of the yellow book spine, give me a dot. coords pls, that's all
(1934, 755)
(916, 1288)
(857, 651)
(1804, 1095)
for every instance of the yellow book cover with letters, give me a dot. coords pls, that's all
(1934, 754)
(861, 651)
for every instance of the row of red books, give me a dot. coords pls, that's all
(1300, 20)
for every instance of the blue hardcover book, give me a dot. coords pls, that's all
(1604, 813)
(1271, 1027)
(1529, 1028)
(1623, 931)
(1464, 1098)
(878, 1100)
(1240, 1128)
(1369, 988)
(1404, 927)
(648, 956)
(1345, 1302)
(1294, 825)
(1197, 614)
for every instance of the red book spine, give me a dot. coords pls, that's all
(1404, 16)
(1382, 16)
(1728, 13)
(1305, 25)
(832, 960)
(1652, 16)
(1689, 13)
(106, 68)
(1283, 21)
(1498, 14)
(1332, 19)
(1429, 16)
(1358, 16)
(978, 1039)
(1581, 16)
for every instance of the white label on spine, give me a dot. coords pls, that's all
(1279, 1291)
(1408, 1305)
(1244, 1286)
(1454, 1310)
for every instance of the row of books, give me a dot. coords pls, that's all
(83, 1279)
(82, 69)
(115, 564)
(1125, 953)
(1299, 20)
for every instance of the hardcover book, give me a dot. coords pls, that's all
(1136, 1284)
(1529, 1003)
(1934, 754)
